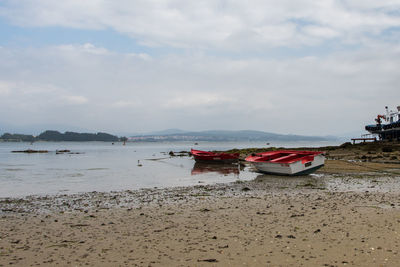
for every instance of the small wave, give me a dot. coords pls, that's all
(63, 190)
(76, 175)
(16, 165)
(96, 169)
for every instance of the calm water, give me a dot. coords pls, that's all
(105, 167)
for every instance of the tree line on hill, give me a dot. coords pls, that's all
(224, 135)
(57, 136)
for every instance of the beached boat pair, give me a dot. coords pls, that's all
(281, 162)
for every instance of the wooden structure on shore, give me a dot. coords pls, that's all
(363, 139)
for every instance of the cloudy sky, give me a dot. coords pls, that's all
(302, 67)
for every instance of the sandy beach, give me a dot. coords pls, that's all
(336, 217)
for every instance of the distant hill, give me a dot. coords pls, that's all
(57, 136)
(72, 136)
(221, 135)
(17, 137)
(166, 135)
(35, 129)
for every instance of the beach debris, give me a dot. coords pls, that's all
(30, 151)
(79, 225)
(156, 159)
(208, 260)
(308, 184)
(205, 210)
(67, 151)
(63, 151)
(387, 149)
(179, 154)
(8, 210)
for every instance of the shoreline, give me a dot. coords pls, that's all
(378, 178)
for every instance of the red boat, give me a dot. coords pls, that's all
(214, 157)
(288, 162)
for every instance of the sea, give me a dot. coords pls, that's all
(105, 167)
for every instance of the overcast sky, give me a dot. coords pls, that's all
(302, 67)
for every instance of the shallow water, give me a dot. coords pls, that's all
(104, 167)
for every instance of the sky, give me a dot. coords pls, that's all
(131, 66)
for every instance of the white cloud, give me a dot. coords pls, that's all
(75, 99)
(143, 56)
(196, 100)
(85, 48)
(318, 31)
(214, 24)
(198, 88)
(125, 104)
(300, 95)
(5, 87)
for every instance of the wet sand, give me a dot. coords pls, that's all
(339, 216)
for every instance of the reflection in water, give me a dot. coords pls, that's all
(221, 168)
(307, 181)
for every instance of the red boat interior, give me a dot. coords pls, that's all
(285, 156)
(204, 153)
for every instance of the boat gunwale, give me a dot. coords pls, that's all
(208, 156)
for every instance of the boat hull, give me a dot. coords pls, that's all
(288, 173)
(205, 156)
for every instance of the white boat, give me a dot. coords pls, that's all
(287, 162)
